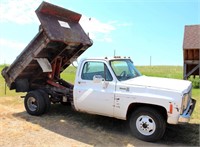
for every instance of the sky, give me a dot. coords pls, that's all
(139, 29)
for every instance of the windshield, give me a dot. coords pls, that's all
(124, 69)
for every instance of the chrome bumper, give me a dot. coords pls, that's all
(185, 117)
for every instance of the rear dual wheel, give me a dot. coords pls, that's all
(37, 102)
(47, 101)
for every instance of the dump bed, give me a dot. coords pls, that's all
(60, 37)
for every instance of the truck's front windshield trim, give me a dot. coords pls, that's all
(124, 69)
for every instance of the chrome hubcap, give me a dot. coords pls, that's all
(145, 125)
(32, 104)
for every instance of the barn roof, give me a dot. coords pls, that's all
(191, 37)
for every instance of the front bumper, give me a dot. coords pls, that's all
(185, 117)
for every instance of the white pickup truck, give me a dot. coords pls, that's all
(106, 86)
(114, 87)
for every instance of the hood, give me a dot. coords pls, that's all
(182, 86)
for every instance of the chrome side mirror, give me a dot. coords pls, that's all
(98, 78)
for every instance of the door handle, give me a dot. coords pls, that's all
(81, 82)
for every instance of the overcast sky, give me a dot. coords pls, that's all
(135, 28)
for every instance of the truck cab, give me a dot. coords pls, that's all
(99, 82)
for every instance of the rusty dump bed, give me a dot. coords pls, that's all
(59, 41)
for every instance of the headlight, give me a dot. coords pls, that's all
(185, 100)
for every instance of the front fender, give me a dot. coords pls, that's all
(125, 104)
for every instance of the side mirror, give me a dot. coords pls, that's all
(98, 78)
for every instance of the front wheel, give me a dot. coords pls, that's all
(147, 124)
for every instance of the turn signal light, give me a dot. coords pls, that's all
(170, 108)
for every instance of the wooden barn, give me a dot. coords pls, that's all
(191, 51)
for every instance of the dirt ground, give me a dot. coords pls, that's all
(64, 127)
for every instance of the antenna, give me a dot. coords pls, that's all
(150, 60)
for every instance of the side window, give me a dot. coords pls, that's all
(92, 68)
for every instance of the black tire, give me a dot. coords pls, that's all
(34, 103)
(47, 101)
(147, 124)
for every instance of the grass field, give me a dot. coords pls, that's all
(156, 71)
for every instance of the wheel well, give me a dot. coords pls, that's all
(132, 107)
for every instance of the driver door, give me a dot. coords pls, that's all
(95, 88)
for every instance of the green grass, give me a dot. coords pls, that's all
(162, 71)
(69, 74)
(4, 90)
